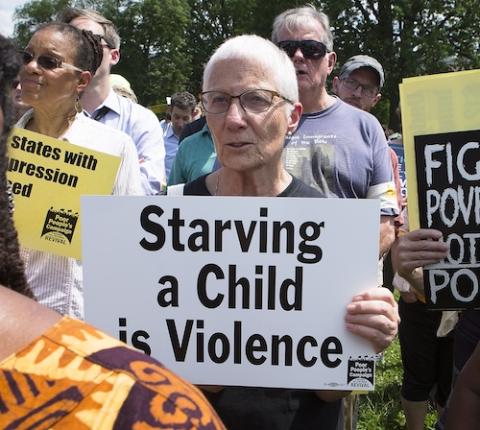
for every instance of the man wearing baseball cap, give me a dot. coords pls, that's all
(359, 82)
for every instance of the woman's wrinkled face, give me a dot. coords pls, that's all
(49, 87)
(246, 140)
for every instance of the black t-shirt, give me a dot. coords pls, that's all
(296, 188)
(247, 408)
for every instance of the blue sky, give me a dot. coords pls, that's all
(7, 8)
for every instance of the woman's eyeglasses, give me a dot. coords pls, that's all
(254, 101)
(47, 62)
(311, 49)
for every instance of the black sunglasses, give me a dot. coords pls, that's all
(47, 62)
(311, 49)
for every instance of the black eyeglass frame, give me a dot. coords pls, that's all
(272, 93)
(367, 90)
(311, 49)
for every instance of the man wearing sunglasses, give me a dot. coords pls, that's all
(101, 103)
(336, 148)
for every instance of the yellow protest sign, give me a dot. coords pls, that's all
(47, 177)
(441, 134)
(443, 103)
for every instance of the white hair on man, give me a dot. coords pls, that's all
(292, 19)
(268, 56)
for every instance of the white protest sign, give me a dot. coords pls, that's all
(234, 290)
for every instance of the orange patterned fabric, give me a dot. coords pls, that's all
(76, 377)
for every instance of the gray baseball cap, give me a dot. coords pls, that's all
(357, 61)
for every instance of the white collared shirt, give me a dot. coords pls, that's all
(57, 282)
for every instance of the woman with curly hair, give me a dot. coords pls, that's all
(11, 266)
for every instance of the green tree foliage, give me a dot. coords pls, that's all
(34, 13)
(165, 43)
(409, 37)
(154, 54)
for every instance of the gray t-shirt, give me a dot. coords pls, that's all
(343, 152)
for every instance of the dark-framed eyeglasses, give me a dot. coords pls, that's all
(47, 62)
(254, 101)
(311, 49)
(353, 85)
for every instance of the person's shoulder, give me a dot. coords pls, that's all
(137, 112)
(365, 120)
(194, 138)
(100, 137)
(100, 130)
(127, 368)
(197, 187)
(142, 111)
(298, 188)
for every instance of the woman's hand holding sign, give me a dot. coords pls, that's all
(374, 316)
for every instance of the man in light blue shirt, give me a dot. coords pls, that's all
(182, 108)
(102, 104)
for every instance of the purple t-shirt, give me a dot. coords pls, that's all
(343, 152)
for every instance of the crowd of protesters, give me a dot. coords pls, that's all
(265, 125)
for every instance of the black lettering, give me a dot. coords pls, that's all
(262, 246)
(200, 342)
(56, 153)
(176, 222)
(258, 288)
(40, 172)
(237, 342)
(289, 228)
(139, 344)
(179, 349)
(15, 143)
(245, 239)
(220, 227)
(122, 334)
(202, 286)
(256, 343)
(202, 235)
(172, 292)
(272, 278)
(31, 146)
(297, 286)
(301, 351)
(153, 228)
(224, 349)
(331, 345)
(286, 340)
(313, 250)
(233, 284)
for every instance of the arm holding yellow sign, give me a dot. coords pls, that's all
(59, 156)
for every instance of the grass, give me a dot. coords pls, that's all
(381, 409)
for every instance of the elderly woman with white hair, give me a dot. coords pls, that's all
(250, 98)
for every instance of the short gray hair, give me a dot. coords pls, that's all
(291, 19)
(266, 54)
